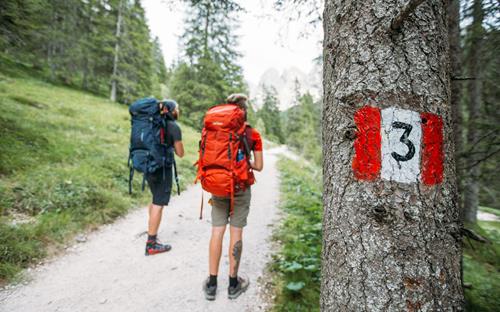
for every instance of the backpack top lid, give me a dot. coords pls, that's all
(225, 117)
(145, 106)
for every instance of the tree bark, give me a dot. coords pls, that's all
(387, 245)
(471, 190)
(456, 87)
(114, 80)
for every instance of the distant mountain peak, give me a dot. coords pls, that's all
(286, 83)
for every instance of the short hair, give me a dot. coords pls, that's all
(237, 98)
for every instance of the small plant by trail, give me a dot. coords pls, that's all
(298, 264)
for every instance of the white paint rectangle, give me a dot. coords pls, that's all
(401, 136)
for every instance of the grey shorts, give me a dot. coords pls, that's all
(221, 205)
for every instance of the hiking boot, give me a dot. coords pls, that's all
(241, 287)
(155, 247)
(209, 291)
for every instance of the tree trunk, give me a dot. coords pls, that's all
(471, 192)
(206, 31)
(114, 80)
(85, 74)
(391, 225)
(456, 86)
(455, 98)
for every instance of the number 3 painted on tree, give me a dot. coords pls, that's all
(382, 151)
(404, 140)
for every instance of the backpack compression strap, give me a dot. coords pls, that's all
(176, 177)
(130, 177)
(144, 176)
(201, 206)
(131, 173)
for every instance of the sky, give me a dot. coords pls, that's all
(266, 40)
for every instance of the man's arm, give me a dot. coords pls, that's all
(176, 133)
(179, 148)
(258, 161)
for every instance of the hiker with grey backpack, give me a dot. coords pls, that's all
(154, 141)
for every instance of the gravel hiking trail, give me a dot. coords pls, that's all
(109, 272)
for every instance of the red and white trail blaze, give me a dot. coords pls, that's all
(398, 145)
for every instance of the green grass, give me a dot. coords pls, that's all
(297, 265)
(481, 268)
(63, 166)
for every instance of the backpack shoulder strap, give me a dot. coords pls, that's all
(248, 142)
(248, 135)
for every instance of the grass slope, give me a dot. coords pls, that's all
(63, 166)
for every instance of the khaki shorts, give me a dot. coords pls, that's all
(221, 205)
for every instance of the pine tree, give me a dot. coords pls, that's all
(301, 125)
(194, 96)
(78, 43)
(95, 56)
(58, 34)
(270, 115)
(116, 55)
(389, 243)
(475, 103)
(135, 62)
(210, 35)
(251, 114)
(18, 22)
(209, 71)
(160, 70)
(490, 143)
(453, 11)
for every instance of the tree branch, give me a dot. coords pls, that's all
(473, 147)
(403, 14)
(462, 78)
(473, 235)
(480, 160)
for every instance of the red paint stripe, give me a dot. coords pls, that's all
(432, 149)
(366, 163)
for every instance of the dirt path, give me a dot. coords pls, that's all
(486, 216)
(109, 272)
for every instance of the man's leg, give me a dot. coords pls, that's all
(214, 253)
(238, 284)
(152, 245)
(215, 249)
(155, 213)
(235, 250)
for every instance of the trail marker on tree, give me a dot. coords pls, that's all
(398, 145)
(391, 226)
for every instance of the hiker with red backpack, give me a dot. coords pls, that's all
(229, 152)
(155, 137)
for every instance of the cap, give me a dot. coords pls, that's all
(237, 98)
(169, 104)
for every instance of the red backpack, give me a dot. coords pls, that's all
(224, 154)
